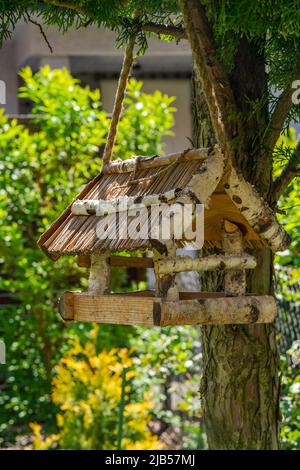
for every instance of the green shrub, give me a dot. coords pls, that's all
(87, 388)
(40, 172)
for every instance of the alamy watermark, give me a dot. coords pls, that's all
(2, 92)
(296, 94)
(157, 222)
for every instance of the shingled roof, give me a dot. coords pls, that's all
(74, 234)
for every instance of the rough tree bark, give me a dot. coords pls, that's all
(240, 386)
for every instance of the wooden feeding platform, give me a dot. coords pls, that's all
(143, 308)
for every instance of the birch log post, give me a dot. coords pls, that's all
(166, 284)
(235, 280)
(100, 274)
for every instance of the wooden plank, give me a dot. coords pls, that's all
(131, 262)
(84, 261)
(137, 293)
(199, 295)
(184, 295)
(151, 311)
(221, 207)
(119, 309)
(66, 306)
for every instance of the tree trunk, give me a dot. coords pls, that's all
(240, 386)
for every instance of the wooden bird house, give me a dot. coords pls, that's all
(236, 220)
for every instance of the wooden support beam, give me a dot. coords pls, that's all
(113, 309)
(131, 262)
(150, 311)
(235, 279)
(208, 263)
(166, 284)
(66, 306)
(84, 261)
(144, 162)
(100, 274)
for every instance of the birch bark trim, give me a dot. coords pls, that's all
(100, 274)
(209, 263)
(205, 181)
(256, 211)
(219, 311)
(144, 162)
(99, 207)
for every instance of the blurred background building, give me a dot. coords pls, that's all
(91, 55)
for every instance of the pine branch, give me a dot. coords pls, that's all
(281, 111)
(168, 30)
(30, 20)
(290, 171)
(66, 4)
(214, 80)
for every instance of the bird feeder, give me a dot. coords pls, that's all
(236, 220)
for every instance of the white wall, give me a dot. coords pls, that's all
(180, 88)
(90, 41)
(93, 50)
(9, 76)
